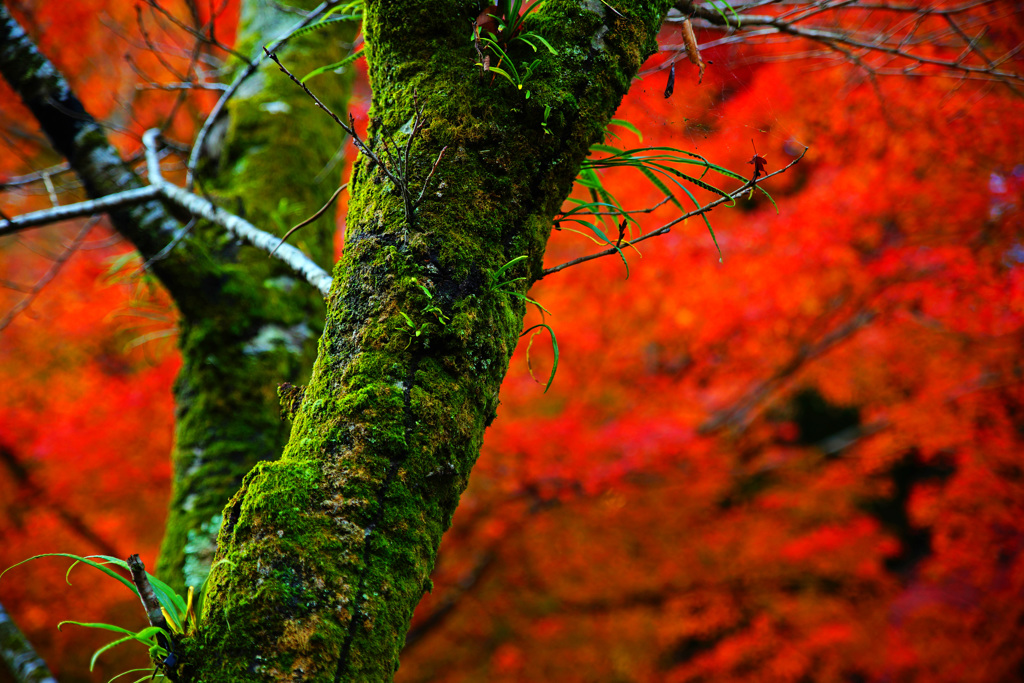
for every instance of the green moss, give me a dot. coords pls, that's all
(258, 326)
(329, 550)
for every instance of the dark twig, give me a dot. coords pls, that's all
(152, 46)
(198, 33)
(146, 593)
(151, 604)
(858, 45)
(162, 254)
(426, 182)
(312, 218)
(344, 126)
(58, 263)
(30, 492)
(398, 168)
(450, 601)
(618, 213)
(742, 411)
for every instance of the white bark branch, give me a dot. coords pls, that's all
(240, 228)
(304, 266)
(86, 208)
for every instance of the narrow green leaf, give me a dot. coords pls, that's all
(526, 37)
(623, 257)
(628, 126)
(131, 671)
(713, 238)
(501, 271)
(331, 67)
(77, 559)
(354, 8)
(526, 299)
(323, 23)
(554, 346)
(105, 627)
(579, 232)
(503, 73)
(172, 603)
(143, 636)
(721, 11)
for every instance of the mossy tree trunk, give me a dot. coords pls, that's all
(276, 161)
(328, 550)
(246, 324)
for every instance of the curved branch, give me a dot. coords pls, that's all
(194, 204)
(18, 654)
(58, 263)
(242, 77)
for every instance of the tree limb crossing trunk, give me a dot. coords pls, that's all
(326, 552)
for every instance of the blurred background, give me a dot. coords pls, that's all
(802, 462)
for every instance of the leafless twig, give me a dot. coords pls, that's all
(58, 263)
(895, 46)
(312, 218)
(398, 168)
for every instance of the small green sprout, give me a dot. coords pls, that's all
(501, 287)
(180, 613)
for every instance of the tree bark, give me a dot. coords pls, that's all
(17, 653)
(246, 324)
(326, 552)
(264, 334)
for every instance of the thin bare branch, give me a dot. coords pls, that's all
(898, 40)
(31, 493)
(426, 182)
(347, 127)
(198, 33)
(450, 601)
(87, 208)
(668, 226)
(312, 218)
(58, 263)
(740, 412)
(397, 170)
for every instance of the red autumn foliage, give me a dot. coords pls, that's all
(802, 463)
